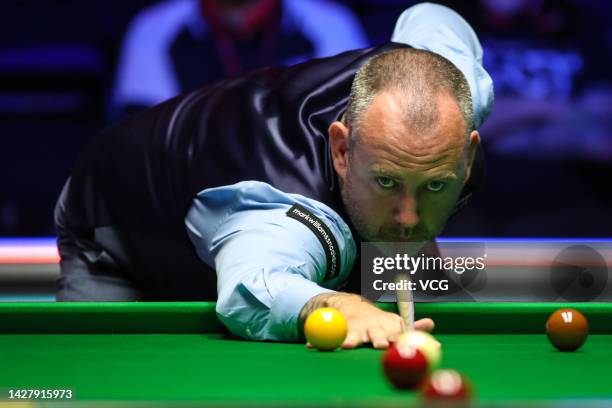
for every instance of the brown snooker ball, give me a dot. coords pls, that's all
(567, 329)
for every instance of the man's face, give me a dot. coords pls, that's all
(398, 184)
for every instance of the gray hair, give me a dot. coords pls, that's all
(418, 77)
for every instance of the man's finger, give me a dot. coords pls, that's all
(378, 338)
(424, 324)
(351, 341)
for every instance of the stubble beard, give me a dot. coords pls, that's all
(358, 218)
(355, 213)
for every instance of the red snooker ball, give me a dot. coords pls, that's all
(405, 366)
(567, 329)
(446, 385)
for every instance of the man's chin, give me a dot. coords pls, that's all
(390, 237)
(403, 239)
(387, 236)
(397, 238)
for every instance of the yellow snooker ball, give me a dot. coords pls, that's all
(425, 342)
(325, 329)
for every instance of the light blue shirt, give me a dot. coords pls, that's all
(269, 265)
(438, 29)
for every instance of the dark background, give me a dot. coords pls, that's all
(548, 143)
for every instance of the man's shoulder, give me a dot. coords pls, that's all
(277, 219)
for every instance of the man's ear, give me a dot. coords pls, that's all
(474, 141)
(339, 139)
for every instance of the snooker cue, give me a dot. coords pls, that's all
(405, 303)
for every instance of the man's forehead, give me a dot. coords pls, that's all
(405, 146)
(385, 121)
(389, 146)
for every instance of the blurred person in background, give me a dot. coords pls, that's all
(550, 60)
(177, 45)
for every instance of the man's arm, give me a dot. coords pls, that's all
(271, 279)
(268, 264)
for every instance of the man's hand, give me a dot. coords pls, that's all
(366, 322)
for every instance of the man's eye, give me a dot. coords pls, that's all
(385, 182)
(435, 186)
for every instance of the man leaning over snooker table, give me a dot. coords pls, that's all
(256, 191)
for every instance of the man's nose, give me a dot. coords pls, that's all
(406, 212)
